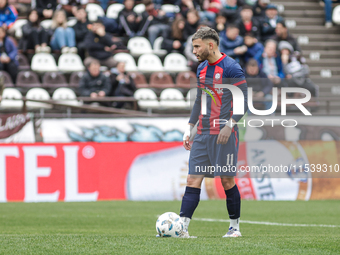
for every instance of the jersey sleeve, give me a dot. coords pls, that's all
(237, 78)
(196, 110)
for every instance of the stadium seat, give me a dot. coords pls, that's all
(139, 46)
(43, 62)
(8, 79)
(47, 23)
(38, 94)
(7, 95)
(186, 80)
(28, 79)
(65, 96)
(170, 8)
(161, 80)
(17, 27)
(139, 79)
(71, 22)
(23, 62)
(191, 97)
(147, 98)
(113, 10)
(172, 98)
(53, 80)
(139, 8)
(130, 63)
(336, 15)
(157, 49)
(70, 63)
(75, 78)
(175, 62)
(149, 63)
(94, 11)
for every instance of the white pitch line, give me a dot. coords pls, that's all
(271, 223)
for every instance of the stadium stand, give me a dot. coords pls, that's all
(147, 99)
(8, 79)
(172, 98)
(38, 94)
(9, 94)
(304, 20)
(65, 96)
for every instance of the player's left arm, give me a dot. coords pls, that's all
(237, 78)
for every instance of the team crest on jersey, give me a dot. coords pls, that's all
(217, 76)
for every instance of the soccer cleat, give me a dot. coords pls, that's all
(185, 234)
(232, 233)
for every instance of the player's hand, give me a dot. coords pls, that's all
(186, 137)
(224, 135)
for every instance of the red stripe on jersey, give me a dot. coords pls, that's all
(218, 61)
(239, 83)
(201, 80)
(216, 109)
(236, 140)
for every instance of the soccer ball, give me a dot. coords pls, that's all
(169, 224)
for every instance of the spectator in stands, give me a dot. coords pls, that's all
(329, 11)
(247, 23)
(80, 30)
(210, 9)
(175, 40)
(258, 80)
(187, 5)
(230, 10)
(269, 23)
(296, 69)
(99, 45)
(154, 22)
(34, 36)
(191, 24)
(231, 43)
(8, 54)
(128, 20)
(70, 6)
(104, 3)
(254, 47)
(122, 84)
(271, 64)
(45, 8)
(94, 83)
(63, 37)
(282, 34)
(8, 14)
(220, 22)
(259, 9)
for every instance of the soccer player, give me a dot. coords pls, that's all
(216, 143)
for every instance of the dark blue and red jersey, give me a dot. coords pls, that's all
(224, 71)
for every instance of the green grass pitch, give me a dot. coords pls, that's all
(126, 227)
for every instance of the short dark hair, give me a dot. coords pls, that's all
(206, 33)
(250, 34)
(252, 62)
(147, 2)
(232, 26)
(247, 7)
(283, 23)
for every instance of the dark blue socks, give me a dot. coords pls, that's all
(233, 202)
(190, 201)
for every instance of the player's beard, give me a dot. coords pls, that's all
(204, 55)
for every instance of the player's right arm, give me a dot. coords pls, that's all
(196, 110)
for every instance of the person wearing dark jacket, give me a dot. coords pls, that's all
(231, 43)
(258, 80)
(34, 36)
(247, 23)
(191, 24)
(8, 54)
(259, 9)
(81, 30)
(282, 34)
(99, 45)
(122, 84)
(269, 23)
(175, 40)
(94, 83)
(128, 20)
(231, 11)
(45, 8)
(254, 48)
(155, 22)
